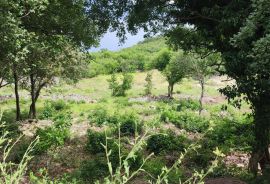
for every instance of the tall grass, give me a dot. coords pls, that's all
(123, 173)
(11, 173)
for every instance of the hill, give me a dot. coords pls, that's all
(137, 57)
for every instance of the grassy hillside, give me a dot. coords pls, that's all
(72, 119)
(137, 57)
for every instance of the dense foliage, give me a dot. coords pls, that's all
(104, 117)
(135, 58)
(239, 30)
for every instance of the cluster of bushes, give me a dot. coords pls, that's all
(53, 107)
(155, 166)
(187, 120)
(159, 144)
(97, 168)
(129, 122)
(138, 57)
(188, 104)
(119, 89)
(100, 116)
(166, 143)
(55, 135)
(231, 134)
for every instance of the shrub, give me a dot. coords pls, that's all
(202, 157)
(47, 111)
(189, 121)
(231, 134)
(160, 143)
(19, 150)
(168, 115)
(188, 104)
(130, 124)
(13, 172)
(192, 122)
(100, 116)
(93, 170)
(120, 89)
(95, 141)
(54, 135)
(149, 84)
(59, 105)
(155, 167)
(52, 107)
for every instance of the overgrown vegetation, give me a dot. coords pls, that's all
(188, 106)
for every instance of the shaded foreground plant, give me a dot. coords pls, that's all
(11, 173)
(124, 173)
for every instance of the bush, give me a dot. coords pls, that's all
(189, 121)
(231, 134)
(52, 107)
(188, 104)
(19, 150)
(192, 122)
(54, 135)
(149, 84)
(48, 111)
(100, 116)
(59, 105)
(120, 89)
(202, 157)
(130, 124)
(93, 170)
(168, 115)
(95, 141)
(168, 142)
(155, 167)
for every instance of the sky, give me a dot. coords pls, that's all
(111, 42)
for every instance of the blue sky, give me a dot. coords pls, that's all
(111, 42)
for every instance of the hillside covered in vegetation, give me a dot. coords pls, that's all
(190, 106)
(135, 58)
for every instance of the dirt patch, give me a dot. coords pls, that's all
(206, 99)
(172, 127)
(72, 97)
(213, 100)
(29, 128)
(62, 160)
(224, 181)
(177, 131)
(237, 159)
(79, 129)
(6, 97)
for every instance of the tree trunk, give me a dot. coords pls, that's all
(16, 91)
(260, 154)
(32, 110)
(202, 95)
(170, 90)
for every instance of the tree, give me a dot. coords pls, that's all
(239, 30)
(177, 69)
(201, 69)
(162, 59)
(149, 83)
(253, 51)
(120, 89)
(36, 29)
(45, 65)
(14, 41)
